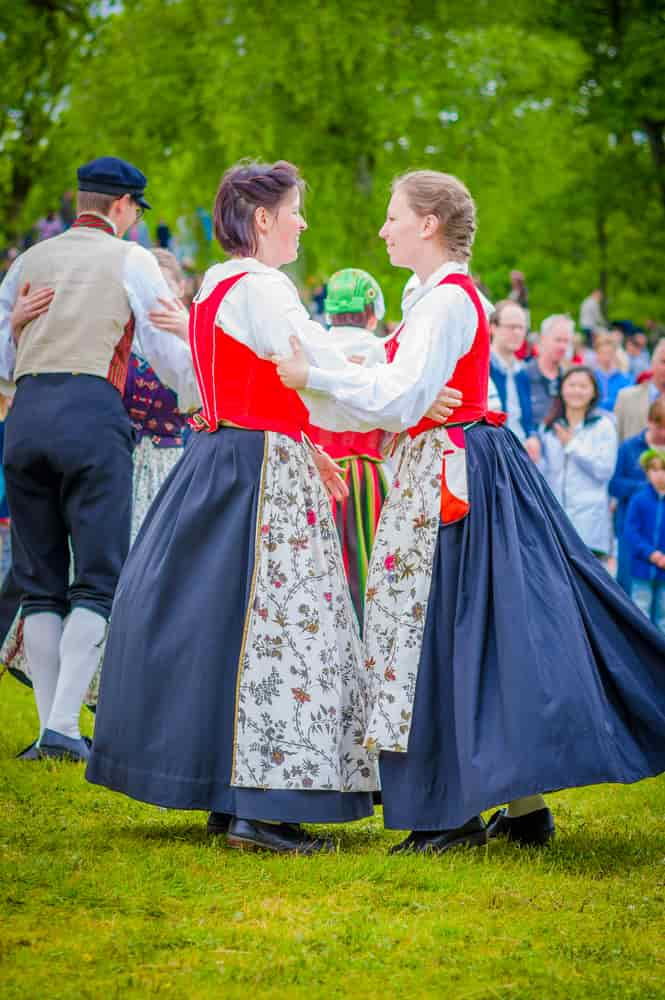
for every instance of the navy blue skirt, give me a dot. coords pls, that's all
(537, 672)
(164, 726)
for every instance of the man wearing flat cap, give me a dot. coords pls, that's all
(70, 307)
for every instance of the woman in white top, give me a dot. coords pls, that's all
(504, 660)
(237, 683)
(579, 451)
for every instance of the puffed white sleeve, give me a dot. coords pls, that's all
(9, 290)
(439, 330)
(169, 355)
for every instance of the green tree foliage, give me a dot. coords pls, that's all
(357, 93)
(41, 42)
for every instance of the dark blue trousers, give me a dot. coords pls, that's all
(68, 470)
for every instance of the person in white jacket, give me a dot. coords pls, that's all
(579, 454)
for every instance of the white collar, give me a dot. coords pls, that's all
(233, 266)
(449, 267)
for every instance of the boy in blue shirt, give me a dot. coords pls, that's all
(645, 532)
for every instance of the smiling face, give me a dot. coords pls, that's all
(578, 390)
(279, 230)
(402, 232)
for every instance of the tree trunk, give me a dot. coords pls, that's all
(654, 130)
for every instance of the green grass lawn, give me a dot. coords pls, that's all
(103, 897)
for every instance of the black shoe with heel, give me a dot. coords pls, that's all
(535, 829)
(280, 838)
(471, 834)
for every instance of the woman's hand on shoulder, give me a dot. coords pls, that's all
(28, 306)
(172, 317)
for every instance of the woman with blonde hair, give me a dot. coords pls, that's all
(480, 696)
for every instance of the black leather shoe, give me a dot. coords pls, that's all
(30, 753)
(533, 829)
(472, 834)
(281, 838)
(218, 823)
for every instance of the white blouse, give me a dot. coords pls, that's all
(264, 310)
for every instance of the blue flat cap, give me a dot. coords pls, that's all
(109, 175)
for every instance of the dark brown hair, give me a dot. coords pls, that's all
(360, 319)
(656, 414)
(244, 188)
(558, 409)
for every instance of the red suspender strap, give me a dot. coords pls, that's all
(202, 340)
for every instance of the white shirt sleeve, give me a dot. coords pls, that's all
(9, 290)
(439, 330)
(169, 355)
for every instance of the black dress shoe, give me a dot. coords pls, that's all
(533, 829)
(281, 838)
(218, 823)
(472, 834)
(30, 753)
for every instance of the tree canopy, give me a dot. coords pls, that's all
(552, 114)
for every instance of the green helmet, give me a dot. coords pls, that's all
(351, 291)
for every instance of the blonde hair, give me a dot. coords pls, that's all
(430, 192)
(168, 262)
(604, 340)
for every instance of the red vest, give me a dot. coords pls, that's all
(347, 444)
(471, 375)
(235, 384)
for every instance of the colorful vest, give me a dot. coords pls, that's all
(471, 375)
(152, 407)
(235, 384)
(88, 328)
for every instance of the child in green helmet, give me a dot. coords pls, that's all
(354, 305)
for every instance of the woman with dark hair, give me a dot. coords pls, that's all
(234, 679)
(504, 660)
(579, 452)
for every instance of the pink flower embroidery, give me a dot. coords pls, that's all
(328, 597)
(389, 562)
(265, 529)
(311, 517)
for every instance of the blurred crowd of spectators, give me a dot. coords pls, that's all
(587, 401)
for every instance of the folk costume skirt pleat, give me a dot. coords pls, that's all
(357, 519)
(166, 716)
(536, 672)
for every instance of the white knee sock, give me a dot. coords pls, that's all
(41, 636)
(521, 807)
(80, 646)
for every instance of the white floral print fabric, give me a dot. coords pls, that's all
(302, 698)
(399, 582)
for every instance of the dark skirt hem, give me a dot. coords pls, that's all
(214, 795)
(536, 672)
(412, 820)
